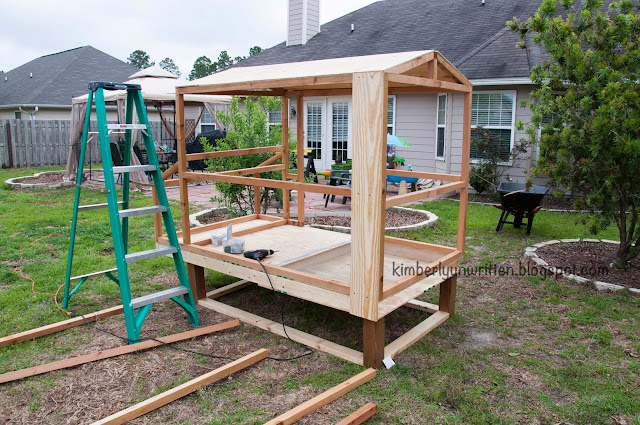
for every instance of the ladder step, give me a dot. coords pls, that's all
(115, 269)
(133, 168)
(94, 206)
(126, 127)
(143, 255)
(158, 296)
(142, 211)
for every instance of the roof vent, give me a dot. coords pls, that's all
(6, 79)
(31, 75)
(353, 27)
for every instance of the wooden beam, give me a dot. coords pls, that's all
(276, 328)
(422, 246)
(368, 192)
(444, 86)
(170, 171)
(415, 334)
(228, 289)
(413, 63)
(422, 194)
(286, 193)
(422, 306)
(271, 160)
(424, 175)
(254, 170)
(260, 228)
(157, 218)
(373, 342)
(444, 63)
(300, 154)
(196, 280)
(320, 92)
(361, 415)
(183, 390)
(323, 399)
(232, 152)
(113, 352)
(181, 148)
(59, 326)
(447, 299)
(277, 184)
(464, 191)
(172, 182)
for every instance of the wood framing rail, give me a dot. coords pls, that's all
(421, 194)
(415, 334)
(361, 415)
(424, 175)
(323, 399)
(445, 86)
(233, 152)
(118, 351)
(59, 326)
(182, 390)
(254, 170)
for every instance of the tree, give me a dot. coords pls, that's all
(168, 65)
(588, 106)
(140, 59)
(254, 50)
(246, 128)
(224, 61)
(201, 68)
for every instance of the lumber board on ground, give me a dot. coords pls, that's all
(182, 390)
(276, 328)
(361, 415)
(113, 352)
(59, 326)
(411, 337)
(323, 399)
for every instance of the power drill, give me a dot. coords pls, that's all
(258, 254)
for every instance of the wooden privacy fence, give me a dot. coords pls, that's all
(35, 143)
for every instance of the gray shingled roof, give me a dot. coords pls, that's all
(59, 77)
(472, 36)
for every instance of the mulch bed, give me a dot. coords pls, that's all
(45, 178)
(548, 202)
(213, 217)
(591, 260)
(393, 218)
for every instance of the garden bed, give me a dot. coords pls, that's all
(587, 260)
(45, 180)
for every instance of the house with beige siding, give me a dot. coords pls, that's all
(470, 33)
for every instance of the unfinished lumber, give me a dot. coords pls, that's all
(361, 415)
(113, 352)
(228, 289)
(415, 334)
(182, 390)
(323, 399)
(59, 326)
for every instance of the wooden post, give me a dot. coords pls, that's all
(157, 219)
(372, 342)
(181, 148)
(464, 170)
(447, 300)
(286, 193)
(368, 193)
(300, 157)
(196, 280)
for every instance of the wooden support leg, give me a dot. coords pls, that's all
(373, 342)
(196, 279)
(447, 302)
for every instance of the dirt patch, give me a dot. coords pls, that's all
(591, 260)
(213, 217)
(43, 178)
(393, 218)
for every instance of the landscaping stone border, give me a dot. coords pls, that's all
(430, 219)
(16, 183)
(531, 253)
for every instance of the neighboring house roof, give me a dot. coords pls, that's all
(470, 35)
(55, 79)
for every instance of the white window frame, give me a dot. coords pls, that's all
(443, 126)
(17, 115)
(206, 111)
(395, 112)
(512, 127)
(273, 123)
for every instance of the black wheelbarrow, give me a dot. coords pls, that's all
(519, 202)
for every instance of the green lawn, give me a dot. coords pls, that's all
(518, 349)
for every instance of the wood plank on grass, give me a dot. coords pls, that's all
(182, 390)
(59, 326)
(113, 352)
(361, 415)
(323, 399)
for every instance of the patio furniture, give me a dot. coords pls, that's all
(338, 178)
(410, 180)
(517, 200)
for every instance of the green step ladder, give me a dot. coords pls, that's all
(135, 309)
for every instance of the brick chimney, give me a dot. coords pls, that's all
(303, 21)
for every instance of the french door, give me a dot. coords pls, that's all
(328, 130)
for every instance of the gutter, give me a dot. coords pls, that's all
(502, 81)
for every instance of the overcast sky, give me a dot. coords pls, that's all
(182, 30)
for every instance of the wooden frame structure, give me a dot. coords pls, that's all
(349, 273)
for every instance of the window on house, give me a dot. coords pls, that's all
(206, 122)
(391, 115)
(340, 131)
(17, 115)
(441, 125)
(274, 118)
(314, 129)
(494, 112)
